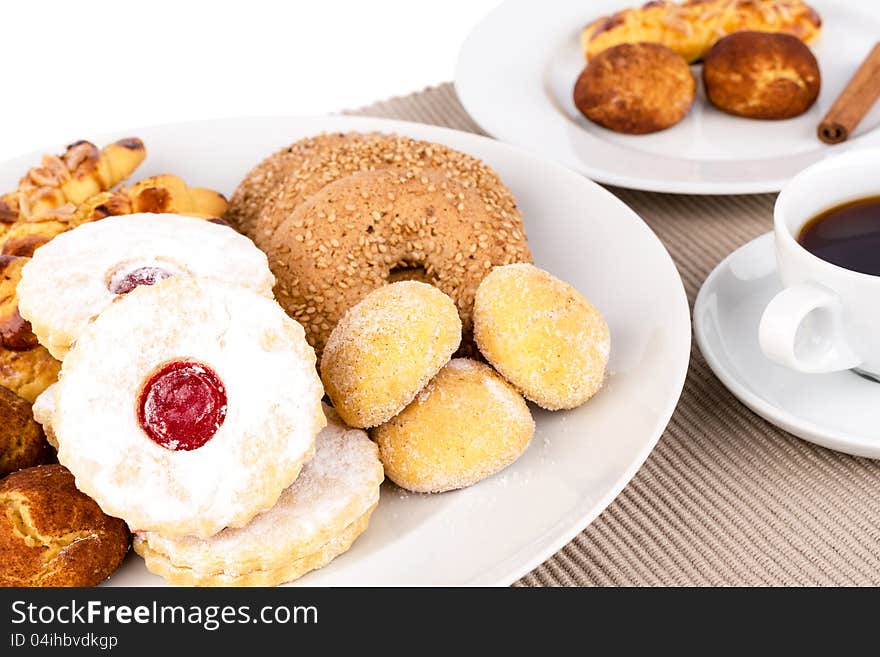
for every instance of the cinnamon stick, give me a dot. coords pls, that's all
(854, 101)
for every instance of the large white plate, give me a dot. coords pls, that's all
(498, 530)
(517, 69)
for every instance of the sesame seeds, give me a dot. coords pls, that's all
(338, 212)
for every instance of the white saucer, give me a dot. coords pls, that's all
(840, 411)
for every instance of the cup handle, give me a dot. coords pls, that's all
(819, 347)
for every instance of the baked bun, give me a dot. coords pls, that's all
(54, 535)
(635, 88)
(761, 75)
(22, 444)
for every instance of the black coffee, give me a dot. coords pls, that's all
(847, 236)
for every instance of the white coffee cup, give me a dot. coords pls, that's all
(827, 318)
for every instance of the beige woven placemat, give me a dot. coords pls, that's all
(725, 498)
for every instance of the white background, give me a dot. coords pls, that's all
(73, 69)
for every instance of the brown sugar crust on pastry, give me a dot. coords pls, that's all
(26, 368)
(761, 75)
(53, 535)
(635, 88)
(359, 232)
(22, 444)
(691, 28)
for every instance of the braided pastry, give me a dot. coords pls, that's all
(692, 28)
(54, 189)
(156, 194)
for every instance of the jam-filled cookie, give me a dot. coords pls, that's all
(76, 276)
(52, 534)
(22, 444)
(314, 520)
(188, 406)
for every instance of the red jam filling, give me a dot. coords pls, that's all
(182, 405)
(137, 277)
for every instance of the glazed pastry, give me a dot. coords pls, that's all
(760, 75)
(636, 88)
(22, 444)
(315, 519)
(54, 189)
(54, 535)
(168, 193)
(541, 335)
(26, 368)
(188, 406)
(386, 348)
(692, 28)
(362, 231)
(466, 425)
(75, 277)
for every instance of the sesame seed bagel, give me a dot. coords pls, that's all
(276, 186)
(360, 232)
(265, 179)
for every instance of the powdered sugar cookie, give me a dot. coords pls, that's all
(188, 406)
(467, 424)
(314, 520)
(77, 275)
(386, 348)
(542, 335)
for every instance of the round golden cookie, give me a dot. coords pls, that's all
(636, 88)
(22, 444)
(54, 535)
(360, 232)
(26, 368)
(541, 335)
(386, 348)
(467, 424)
(762, 75)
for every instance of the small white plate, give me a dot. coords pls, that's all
(517, 69)
(579, 460)
(840, 411)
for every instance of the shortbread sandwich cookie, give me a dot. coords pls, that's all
(188, 406)
(78, 274)
(314, 520)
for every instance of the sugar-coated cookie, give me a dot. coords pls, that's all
(542, 335)
(188, 406)
(78, 274)
(386, 348)
(22, 444)
(51, 534)
(467, 424)
(315, 519)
